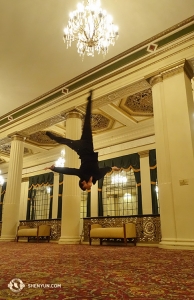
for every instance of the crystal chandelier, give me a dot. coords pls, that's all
(91, 27)
(61, 160)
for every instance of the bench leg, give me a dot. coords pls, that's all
(90, 240)
(100, 241)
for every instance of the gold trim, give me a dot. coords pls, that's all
(153, 167)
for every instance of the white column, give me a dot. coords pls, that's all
(23, 199)
(174, 133)
(55, 195)
(145, 182)
(94, 200)
(11, 204)
(70, 221)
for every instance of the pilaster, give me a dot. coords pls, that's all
(145, 182)
(55, 195)
(174, 133)
(94, 200)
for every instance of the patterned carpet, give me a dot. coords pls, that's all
(94, 272)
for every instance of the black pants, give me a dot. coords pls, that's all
(85, 144)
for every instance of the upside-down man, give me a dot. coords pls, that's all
(89, 171)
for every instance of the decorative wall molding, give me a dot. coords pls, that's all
(171, 70)
(42, 125)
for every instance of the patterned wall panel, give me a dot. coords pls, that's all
(147, 227)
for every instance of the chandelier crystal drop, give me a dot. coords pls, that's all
(92, 28)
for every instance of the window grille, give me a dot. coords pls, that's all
(40, 203)
(119, 194)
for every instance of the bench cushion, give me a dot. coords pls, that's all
(27, 232)
(113, 232)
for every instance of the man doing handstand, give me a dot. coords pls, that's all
(89, 171)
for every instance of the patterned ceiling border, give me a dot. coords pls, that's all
(125, 58)
(42, 125)
(109, 98)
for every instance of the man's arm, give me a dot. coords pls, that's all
(57, 139)
(65, 170)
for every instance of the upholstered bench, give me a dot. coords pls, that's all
(39, 231)
(127, 231)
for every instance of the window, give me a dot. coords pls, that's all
(40, 203)
(83, 205)
(119, 194)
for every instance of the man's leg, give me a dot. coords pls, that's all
(74, 145)
(85, 144)
(87, 129)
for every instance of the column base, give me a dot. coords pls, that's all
(177, 244)
(7, 238)
(69, 241)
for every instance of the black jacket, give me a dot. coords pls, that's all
(89, 167)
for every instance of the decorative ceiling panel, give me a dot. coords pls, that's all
(140, 103)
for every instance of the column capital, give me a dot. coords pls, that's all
(155, 79)
(143, 153)
(17, 136)
(181, 66)
(73, 114)
(171, 70)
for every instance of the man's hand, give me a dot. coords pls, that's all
(50, 168)
(115, 169)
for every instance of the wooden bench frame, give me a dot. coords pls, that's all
(104, 235)
(26, 231)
